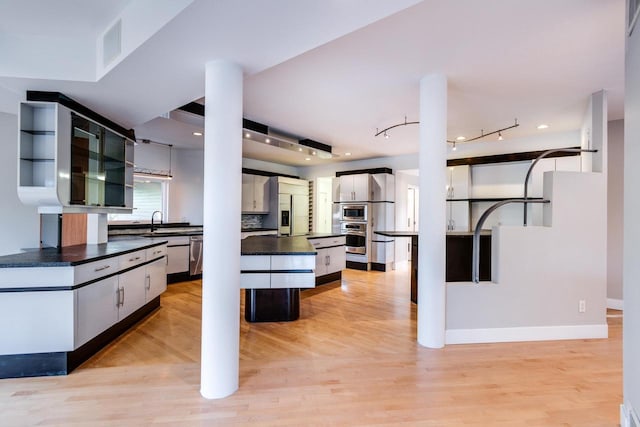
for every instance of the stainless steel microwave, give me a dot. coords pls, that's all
(353, 212)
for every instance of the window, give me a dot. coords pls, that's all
(149, 195)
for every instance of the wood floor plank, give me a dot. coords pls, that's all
(352, 359)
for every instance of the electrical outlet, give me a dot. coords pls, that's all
(582, 306)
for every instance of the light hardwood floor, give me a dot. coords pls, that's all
(352, 359)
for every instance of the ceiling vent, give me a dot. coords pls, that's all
(112, 43)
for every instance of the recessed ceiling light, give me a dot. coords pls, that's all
(247, 135)
(313, 153)
(543, 126)
(347, 154)
(307, 158)
(197, 133)
(460, 138)
(268, 141)
(299, 149)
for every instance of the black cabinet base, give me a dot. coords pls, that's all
(378, 266)
(331, 277)
(62, 363)
(272, 305)
(364, 266)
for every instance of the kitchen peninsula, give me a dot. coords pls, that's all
(272, 271)
(458, 256)
(61, 306)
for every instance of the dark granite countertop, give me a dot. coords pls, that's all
(415, 233)
(321, 235)
(161, 230)
(245, 230)
(273, 245)
(75, 255)
(397, 233)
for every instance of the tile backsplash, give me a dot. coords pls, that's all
(251, 221)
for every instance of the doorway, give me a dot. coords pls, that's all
(413, 195)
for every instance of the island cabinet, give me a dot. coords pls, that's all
(272, 271)
(58, 308)
(331, 258)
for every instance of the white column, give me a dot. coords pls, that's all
(432, 211)
(221, 233)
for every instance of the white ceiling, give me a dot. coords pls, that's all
(334, 71)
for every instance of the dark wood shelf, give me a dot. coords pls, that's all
(490, 199)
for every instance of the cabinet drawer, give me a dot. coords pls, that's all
(255, 281)
(255, 262)
(94, 270)
(156, 252)
(132, 259)
(327, 242)
(293, 280)
(293, 262)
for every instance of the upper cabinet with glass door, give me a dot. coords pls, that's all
(70, 163)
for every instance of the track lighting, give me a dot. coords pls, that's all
(385, 133)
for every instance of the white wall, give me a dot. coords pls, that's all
(545, 140)
(631, 268)
(187, 168)
(541, 273)
(615, 190)
(186, 187)
(19, 224)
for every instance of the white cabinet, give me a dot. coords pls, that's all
(96, 309)
(459, 179)
(156, 280)
(255, 193)
(131, 291)
(354, 188)
(331, 256)
(178, 259)
(277, 271)
(457, 216)
(383, 188)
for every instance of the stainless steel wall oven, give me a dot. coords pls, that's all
(356, 237)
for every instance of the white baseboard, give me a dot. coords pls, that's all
(616, 304)
(527, 333)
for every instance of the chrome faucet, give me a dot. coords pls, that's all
(153, 215)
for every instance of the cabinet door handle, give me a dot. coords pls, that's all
(157, 252)
(148, 282)
(118, 298)
(101, 268)
(134, 259)
(408, 222)
(122, 300)
(328, 259)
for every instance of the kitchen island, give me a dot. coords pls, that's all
(272, 271)
(59, 307)
(458, 256)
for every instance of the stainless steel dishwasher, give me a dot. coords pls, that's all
(195, 257)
